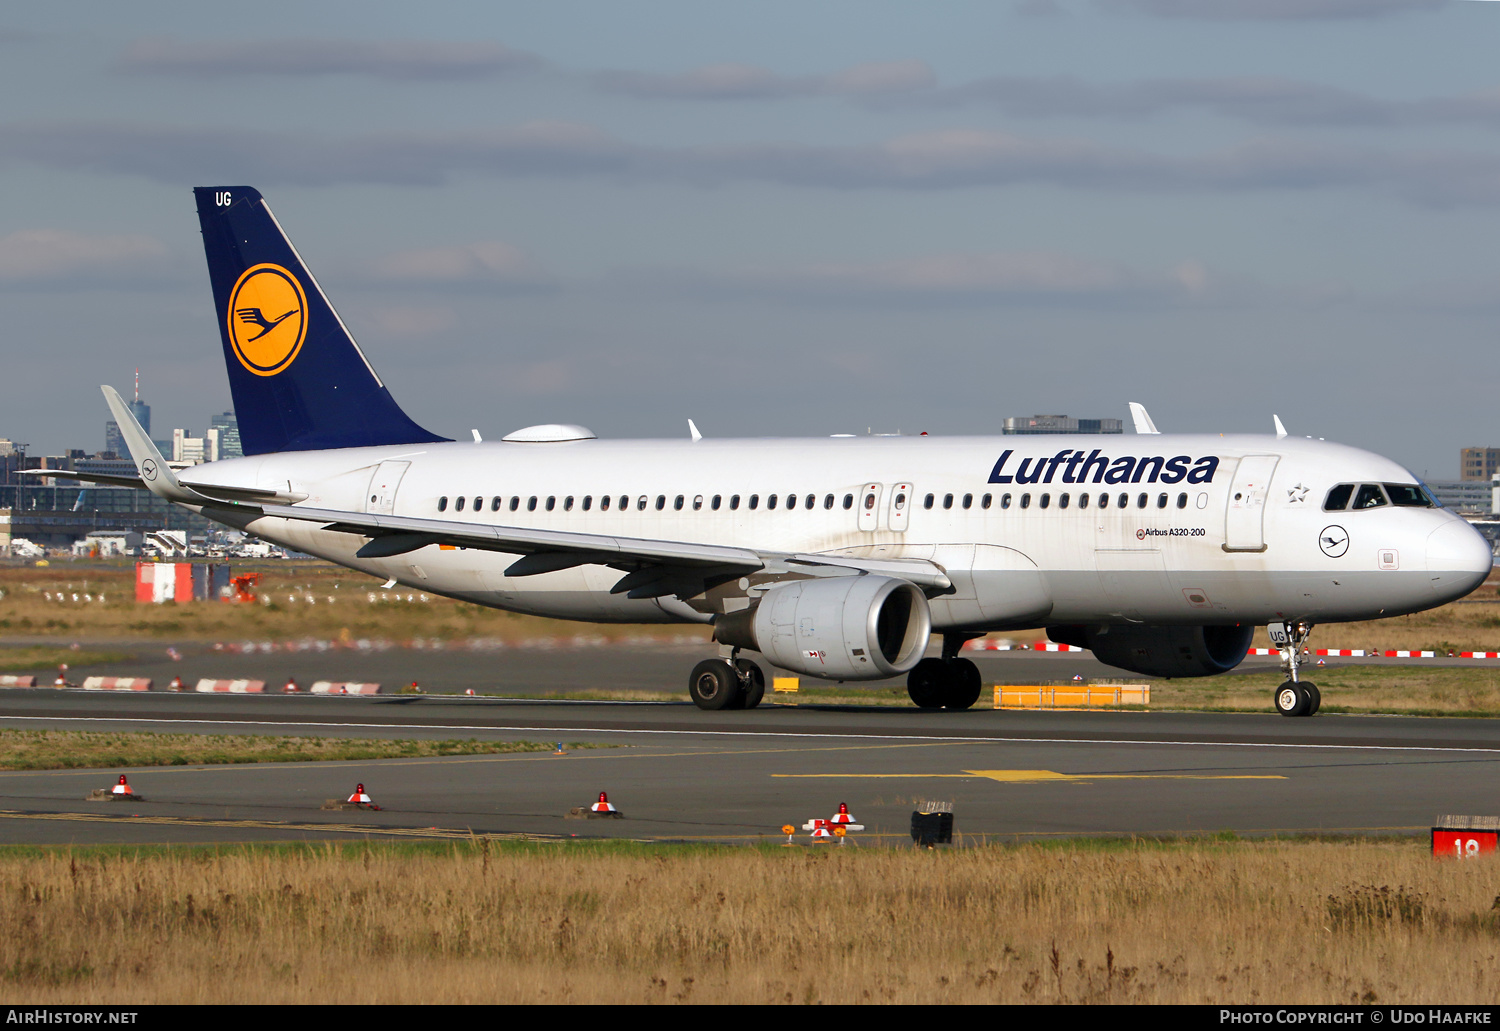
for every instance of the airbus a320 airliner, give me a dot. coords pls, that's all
(833, 557)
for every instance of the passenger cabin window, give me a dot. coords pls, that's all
(1046, 500)
(1182, 501)
(458, 506)
(1103, 500)
(588, 502)
(811, 501)
(928, 500)
(848, 502)
(568, 503)
(442, 504)
(1140, 502)
(604, 503)
(754, 501)
(1407, 495)
(771, 501)
(551, 504)
(661, 502)
(968, 501)
(1369, 496)
(495, 503)
(986, 502)
(1005, 501)
(677, 503)
(515, 503)
(828, 501)
(1025, 500)
(715, 503)
(698, 503)
(1062, 501)
(734, 502)
(947, 500)
(1123, 501)
(641, 503)
(625, 502)
(531, 503)
(479, 504)
(1161, 501)
(1083, 501)
(1338, 498)
(870, 501)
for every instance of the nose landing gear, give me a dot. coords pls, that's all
(1295, 697)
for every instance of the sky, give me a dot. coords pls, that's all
(781, 218)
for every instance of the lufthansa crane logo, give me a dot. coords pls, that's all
(267, 319)
(1334, 540)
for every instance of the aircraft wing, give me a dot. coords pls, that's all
(653, 567)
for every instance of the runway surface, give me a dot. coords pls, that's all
(681, 774)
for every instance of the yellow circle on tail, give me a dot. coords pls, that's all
(267, 319)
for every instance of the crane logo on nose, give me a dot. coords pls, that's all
(1334, 540)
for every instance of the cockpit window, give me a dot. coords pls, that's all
(1407, 495)
(1338, 498)
(1369, 496)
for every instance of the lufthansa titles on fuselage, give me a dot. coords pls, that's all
(1070, 466)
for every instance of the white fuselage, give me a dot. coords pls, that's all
(1197, 529)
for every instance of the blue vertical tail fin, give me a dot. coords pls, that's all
(298, 379)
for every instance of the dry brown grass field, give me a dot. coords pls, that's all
(1209, 921)
(331, 602)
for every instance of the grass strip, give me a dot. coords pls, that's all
(86, 749)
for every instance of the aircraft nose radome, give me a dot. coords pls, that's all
(1458, 559)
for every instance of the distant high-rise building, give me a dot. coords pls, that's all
(1478, 463)
(228, 436)
(186, 447)
(1033, 424)
(114, 440)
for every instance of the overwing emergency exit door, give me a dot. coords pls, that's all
(1244, 518)
(381, 497)
(869, 507)
(900, 514)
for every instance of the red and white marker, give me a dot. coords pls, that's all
(176, 685)
(842, 816)
(603, 805)
(122, 788)
(290, 687)
(359, 797)
(820, 830)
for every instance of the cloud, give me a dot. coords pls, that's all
(407, 59)
(944, 159)
(410, 321)
(58, 257)
(752, 82)
(1270, 10)
(488, 263)
(1264, 99)
(1000, 276)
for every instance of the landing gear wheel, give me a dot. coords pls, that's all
(755, 690)
(927, 684)
(1291, 699)
(714, 686)
(964, 684)
(1314, 697)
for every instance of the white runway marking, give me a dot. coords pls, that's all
(220, 724)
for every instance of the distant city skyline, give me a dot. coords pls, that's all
(780, 219)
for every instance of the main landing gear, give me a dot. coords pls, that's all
(947, 683)
(1295, 697)
(727, 683)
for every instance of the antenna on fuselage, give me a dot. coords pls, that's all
(1280, 429)
(692, 429)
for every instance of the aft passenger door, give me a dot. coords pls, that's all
(381, 497)
(1244, 518)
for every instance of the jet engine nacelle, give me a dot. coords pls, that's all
(1163, 651)
(838, 628)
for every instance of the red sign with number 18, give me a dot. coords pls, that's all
(1452, 844)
